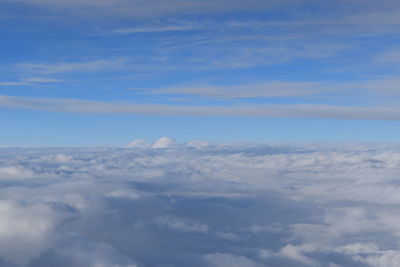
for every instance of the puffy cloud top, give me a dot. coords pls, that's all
(137, 143)
(164, 142)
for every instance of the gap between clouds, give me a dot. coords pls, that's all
(267, 111)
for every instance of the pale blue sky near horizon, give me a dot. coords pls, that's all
(87, 72)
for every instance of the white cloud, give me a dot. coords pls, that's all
(64, 67)
(123, 193)
(181, 224)
(143, 9)
(13, 83)
(271, 89)
(169, 28)
(29, 81)
(389, 258)
(41, 80)
(227, 260)
(366, 12)
(84, 253)
(164, 142)
(266, 89)
(15, 172)
(25, 230)
(277, 111)
(297, 253)
(138, 143)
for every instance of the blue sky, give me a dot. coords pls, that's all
(85, 72)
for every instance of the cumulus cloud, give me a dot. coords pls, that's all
(25, 230)
(14, 172)
(138, 143)
(164, 142)
(200, 204)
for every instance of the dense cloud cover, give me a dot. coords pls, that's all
(200, 204)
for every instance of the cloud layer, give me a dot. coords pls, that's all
(200, 204)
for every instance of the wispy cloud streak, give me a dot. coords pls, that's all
(63, 67)
(271, 111)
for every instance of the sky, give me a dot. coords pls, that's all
(91, 73)
(204, 133)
